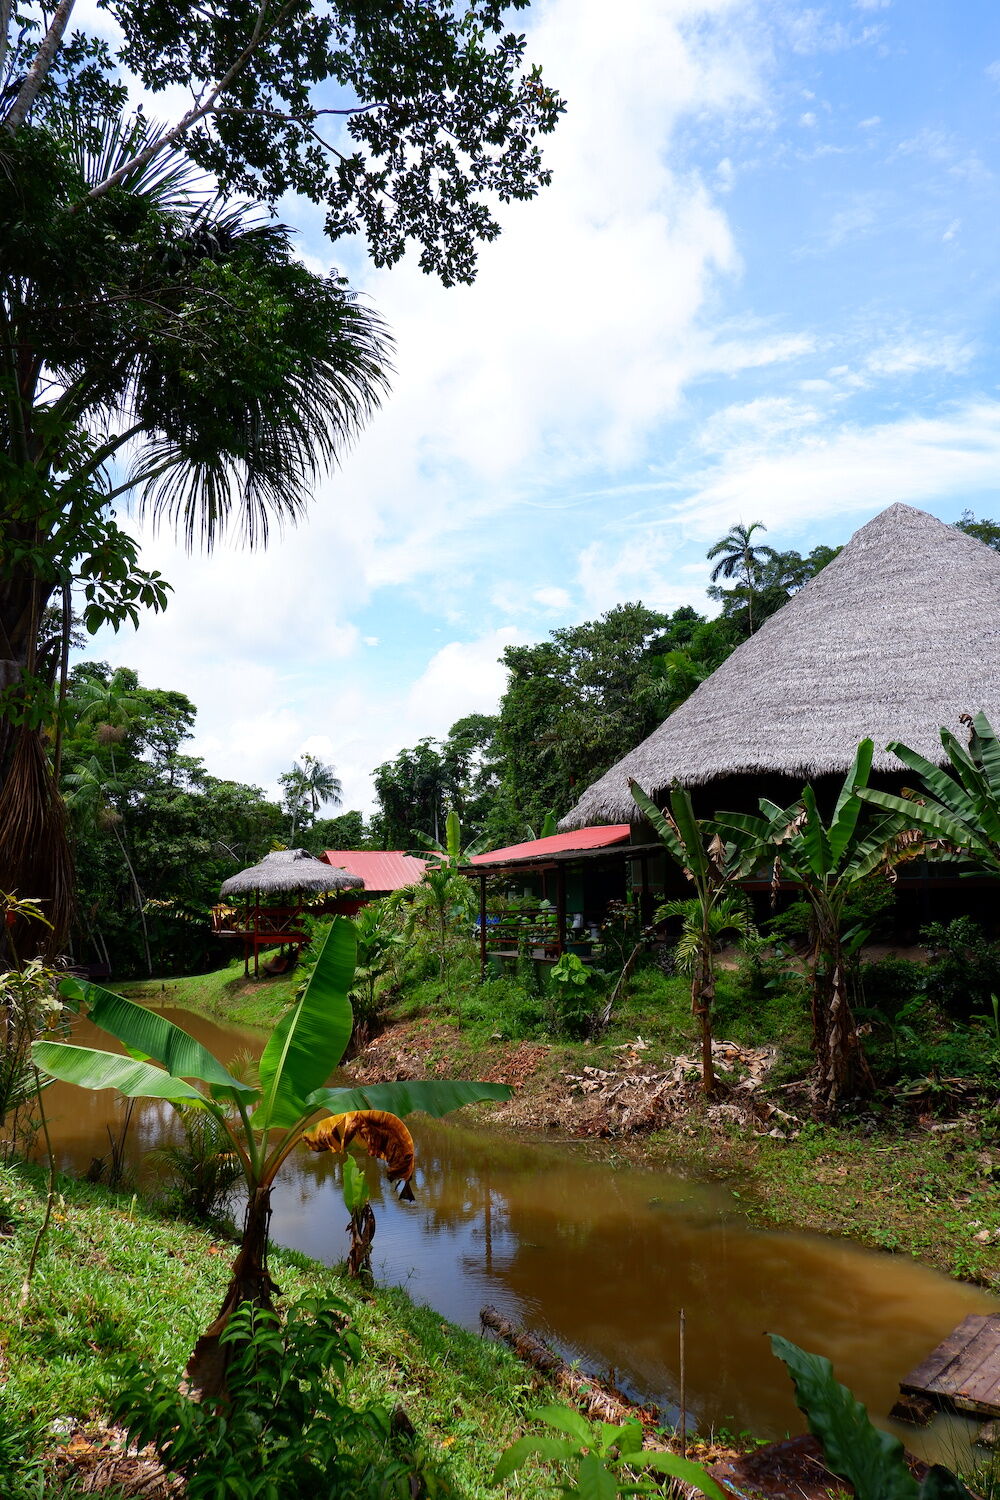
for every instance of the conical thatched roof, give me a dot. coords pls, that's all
(287, 871)
(897, 636)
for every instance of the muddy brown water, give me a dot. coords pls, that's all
(598, 1258)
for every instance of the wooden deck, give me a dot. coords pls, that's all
(964, 1370)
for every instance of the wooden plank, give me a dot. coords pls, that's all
(926, 1373)
(964, 1369)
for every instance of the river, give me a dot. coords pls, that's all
(597, 1258)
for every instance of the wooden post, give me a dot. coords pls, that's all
(482, 928)
(561, 909)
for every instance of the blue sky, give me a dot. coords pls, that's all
(763, 286)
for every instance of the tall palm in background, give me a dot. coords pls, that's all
(308, 786)
(740, 557)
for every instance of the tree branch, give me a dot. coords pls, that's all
(199, 110)
(44, 57)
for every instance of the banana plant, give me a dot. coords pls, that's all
(264, 1124)
(713, 864)
(828, 860)
(960, 807)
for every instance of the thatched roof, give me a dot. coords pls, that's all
(897, 636)
(287, 871)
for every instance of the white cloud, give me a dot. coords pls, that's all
(870, 122)
(911, 356)
(826, 471)
(808, 119)
(556, 599)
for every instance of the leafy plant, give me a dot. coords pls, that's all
(829, 860)
(603, 1460)
(873, 1462)
(959, 808)
(713, 863)
(573, 989)
(730, 918)
(264, 1123)
(964, 970)
(286, 1429)
(201, 1169)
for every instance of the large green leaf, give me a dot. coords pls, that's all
(849, 805)
(936, 821)
(109, 1070)
(685, 1469)
(871, 1460)
(809, 848)
(436, 1096)
(986, 748)
(692, 838)
(147, 1034)
(945, 788)
(554, 1449)
(308, 1043)
(664, 830)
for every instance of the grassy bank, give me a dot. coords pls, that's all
(116, 1279)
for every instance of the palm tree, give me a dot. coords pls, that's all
(168, 348)
(738, 555)
(309, 785)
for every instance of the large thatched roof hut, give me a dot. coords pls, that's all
(897, 636)
(287, 872)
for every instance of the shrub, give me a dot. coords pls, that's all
(573, 993)
(965, 966)
(287, 1429)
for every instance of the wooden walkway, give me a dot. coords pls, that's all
(963, 1371)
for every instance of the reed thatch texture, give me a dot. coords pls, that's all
(286, 872)
(897, 636)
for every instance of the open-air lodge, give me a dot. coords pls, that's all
(896, 637)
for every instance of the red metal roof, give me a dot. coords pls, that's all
(380, 869)
(557, 843)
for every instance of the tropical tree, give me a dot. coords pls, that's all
(89, 790)
(713, 863)
(828, 860)
(306, 787)
(263, 1122)
(739, 555)
(960, 808)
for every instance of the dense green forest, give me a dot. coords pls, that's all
(155, 834)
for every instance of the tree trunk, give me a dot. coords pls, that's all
(702, 997)
(842, 1070)
(208, 1367)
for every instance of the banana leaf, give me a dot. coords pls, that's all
(147, 1034)
(92, 1069)
(432, 1096)
(308, 1042)
(849, 805)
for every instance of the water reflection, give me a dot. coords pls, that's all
(599, 1259)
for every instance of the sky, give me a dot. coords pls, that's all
(763, 286)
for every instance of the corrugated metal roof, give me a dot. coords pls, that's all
(381, 869)
(557, 843)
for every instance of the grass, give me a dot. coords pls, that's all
(225, 994)
(116, 1279)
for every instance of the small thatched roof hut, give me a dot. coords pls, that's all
(897, 636)
(287, 872)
